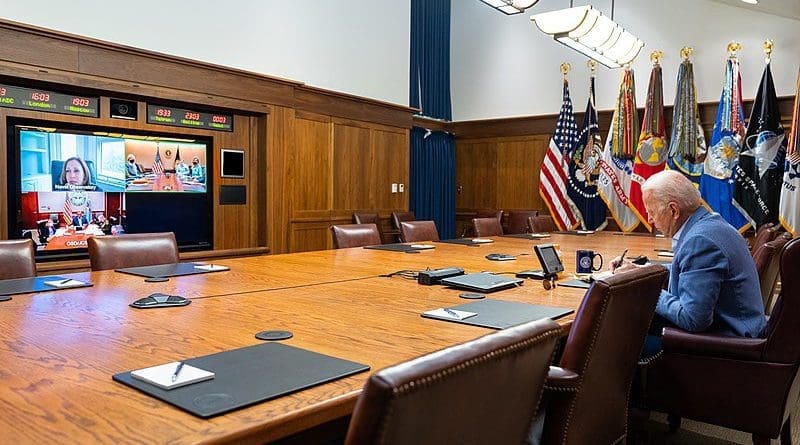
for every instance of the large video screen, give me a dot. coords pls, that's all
(73, 184)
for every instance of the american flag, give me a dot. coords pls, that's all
(67, 215)
(158, 168)
(553, 176)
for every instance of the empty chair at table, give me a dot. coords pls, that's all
(17, 259)
(132, 250)
(355, 235)
(484, 391)
(518, 221)
(412, 231)
(541, 224)
(487, 226)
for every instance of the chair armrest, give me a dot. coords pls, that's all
(560, 379)
(713, 345)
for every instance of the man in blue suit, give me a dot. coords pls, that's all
(713, 283)
(80, 221)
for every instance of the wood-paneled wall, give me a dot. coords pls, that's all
(313, 156)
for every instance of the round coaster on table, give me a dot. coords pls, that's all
(274, 335)
(156, 279)
(5, 297)
(471, 295)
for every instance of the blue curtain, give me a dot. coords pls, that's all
(429, 88)
(433, 180)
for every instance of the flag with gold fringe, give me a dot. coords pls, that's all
(584, 169)
(652, 150)
(760, 171)
(616, 164)
(553, 174)
(717, 181)
(687, 144)
(789, 211)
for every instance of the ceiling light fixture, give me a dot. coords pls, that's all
(511, 7)
(589, 32)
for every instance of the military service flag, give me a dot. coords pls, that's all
(687, 147)
(790, 192)
(760, 171)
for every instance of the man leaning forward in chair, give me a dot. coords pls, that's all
(713, 283)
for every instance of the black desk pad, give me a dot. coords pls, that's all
(499, 314)
(247, 376)
(32, 285)
(395, 247)
(463, 241)
(167, 270)
(526, 236)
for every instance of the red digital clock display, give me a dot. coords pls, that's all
(12, 96)
(179, 117)
(80, 102)
(39, 96)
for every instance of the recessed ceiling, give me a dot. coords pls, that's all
(783, 8)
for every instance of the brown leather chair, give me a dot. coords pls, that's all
(541, 224)
(767, 259)
(412, 231)
(588, 392)
(487, 226)
(746, 384)
(365, 218)
(355, 235)
(764, 234)
(132, 250)
(481, 392)
(518, 221)
(17, 259)
(469, 230)
(399, 217)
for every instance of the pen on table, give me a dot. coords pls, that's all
(451, 313)
(177, 371)
(617, 264)
(65, 281)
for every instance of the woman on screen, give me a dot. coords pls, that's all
(75, 172)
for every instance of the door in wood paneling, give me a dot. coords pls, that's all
(476, 174)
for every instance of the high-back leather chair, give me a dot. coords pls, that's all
(355, 235)
(412, 231)
(767, 259)
(365, 218)
(399, 217)
(469, 229)
(746, 384)
(481, 392)
(518, 221)
(17, 259)
(487, 226)
(588, 391)
(132, 250)
(541, 224)
(764, 234)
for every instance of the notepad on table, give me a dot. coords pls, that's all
(423, 246)
(482, 240)
(69, 282)
(211, 267)
(453, 314)
(666, 253)
(161, 375)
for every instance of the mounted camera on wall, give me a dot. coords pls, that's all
(124, 109)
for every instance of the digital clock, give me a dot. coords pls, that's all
(48, 101)
(178, 117)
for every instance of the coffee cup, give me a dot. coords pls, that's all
(584, 261)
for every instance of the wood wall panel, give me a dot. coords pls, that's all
(476, 174)
(309, 236)
(311, 172)
(392, 153)
(518, 164)
(354, 175)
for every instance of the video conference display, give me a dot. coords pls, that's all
(77, 184)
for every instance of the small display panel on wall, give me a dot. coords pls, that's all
(179, 117)
(48, 101)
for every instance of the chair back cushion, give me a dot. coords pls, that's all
(541, 224)
(603, 348)
(17, 259)
(132, 250)
(412, 231)
(398, 217)
(365, 218)
(355, 235)
(487, 226)
(518, 221)
(767, 259)
(782, 326)
(485, 391)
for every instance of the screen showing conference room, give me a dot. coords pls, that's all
(76, 183)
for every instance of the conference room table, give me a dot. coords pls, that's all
(61, 348)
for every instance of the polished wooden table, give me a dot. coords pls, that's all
(61, 348)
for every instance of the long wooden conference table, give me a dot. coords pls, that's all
(60, 348)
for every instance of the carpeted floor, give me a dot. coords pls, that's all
(696, 433)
